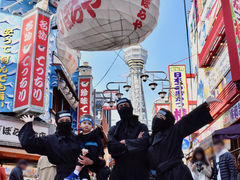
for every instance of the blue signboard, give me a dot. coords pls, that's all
(19, 7)
(9, 47)
(185, 144)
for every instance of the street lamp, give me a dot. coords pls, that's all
(162, 94)
(144, 77)
(111, 103)
(127, 87)
(119, 95)
(153, 85)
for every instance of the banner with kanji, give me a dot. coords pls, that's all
(178, 91)
(84, 95)
(9, 43)
(31, 70)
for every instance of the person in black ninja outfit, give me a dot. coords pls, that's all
(61, 148)
(130, 163)
(165, 144)
(165, 151)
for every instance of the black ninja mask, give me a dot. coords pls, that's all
(125, 113)
(164, 122)
(63, 128)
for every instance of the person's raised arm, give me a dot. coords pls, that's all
(115, 148)
(196, 119)
(28, 140)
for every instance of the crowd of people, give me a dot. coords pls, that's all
(137, 154)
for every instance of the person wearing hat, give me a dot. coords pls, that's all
(124, 145)
(93, 149)
(165, 150)
(62, 148)
(17, 172)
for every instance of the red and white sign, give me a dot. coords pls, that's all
(40, 60)
(231, 18)
(31, 72)
(160, 106)
(84, 94)
(25, 61)
(110, 94)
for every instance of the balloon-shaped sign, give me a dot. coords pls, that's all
(69, 57)
(95, 25)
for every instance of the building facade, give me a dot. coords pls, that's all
(59, 82)
(215, 67)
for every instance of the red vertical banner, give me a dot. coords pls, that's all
(25, 62)
(84, 94)
(31, 71)
(40, 61)
(231, 18)
(160, 106)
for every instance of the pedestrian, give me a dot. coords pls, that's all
(17, 172)
(223, 162)
(199, 165)
(45, 169)
(165, 151)
(3, 175)
(62, 148)
(93, 149)
(123, 138)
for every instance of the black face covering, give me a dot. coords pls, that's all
(64, 128)
(126, 113)
(159, 124)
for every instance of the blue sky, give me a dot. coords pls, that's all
(166, 45)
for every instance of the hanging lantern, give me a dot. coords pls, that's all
(95, 25)
(69, 57)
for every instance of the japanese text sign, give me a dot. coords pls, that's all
(9, 130)
(9, 46)
(31, 72)
(231, 17)
(179, 91)
(160, 106)
(84, 94)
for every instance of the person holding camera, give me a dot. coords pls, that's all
(199, 165)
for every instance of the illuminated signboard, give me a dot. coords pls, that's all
(31, 70)
(9, 46)
(178, 81)
(84, 94)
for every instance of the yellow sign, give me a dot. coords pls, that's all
(179, 91)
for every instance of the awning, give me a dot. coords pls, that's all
(16, 153)
(231, 132)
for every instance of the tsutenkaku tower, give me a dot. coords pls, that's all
(135, 57)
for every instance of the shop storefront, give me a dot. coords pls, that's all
(10, 148)
(229, 118)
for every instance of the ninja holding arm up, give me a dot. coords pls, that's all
(165, 150)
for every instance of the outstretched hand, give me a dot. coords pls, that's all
(27, 118)
(212, 99)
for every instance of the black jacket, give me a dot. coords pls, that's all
(165, 151)
(16, 174)
(93, 143)
(227, 167)
(62, 151)
(130, 161)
